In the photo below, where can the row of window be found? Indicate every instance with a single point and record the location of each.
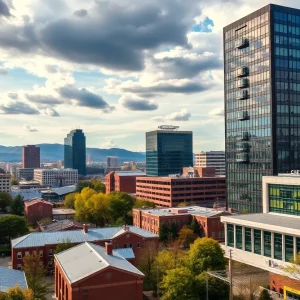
(254, 66)
(285, 63)
(283, 17)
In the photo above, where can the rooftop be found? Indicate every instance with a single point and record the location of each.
(63, 211)
(61, 225)
(36, 201)
(36, 239)
(86, 259)
(10, 278)
(130, 173)
(61, 190)
(275, 222)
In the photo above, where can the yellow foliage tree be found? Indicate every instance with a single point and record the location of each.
(17, 293)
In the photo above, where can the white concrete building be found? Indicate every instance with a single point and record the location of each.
(213, 159)
(269, 240)
(5, 183)
(56, 177)
(25, 173)
(112, 162)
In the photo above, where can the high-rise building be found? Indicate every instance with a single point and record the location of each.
(31, 157)
(75, 151)
(211, 159)
(262, 108)
(112, 162)
(168, 151)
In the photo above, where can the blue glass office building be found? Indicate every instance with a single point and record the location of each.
(75, 151)
(168, 151)
(262, 101)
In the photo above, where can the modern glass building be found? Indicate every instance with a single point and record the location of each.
(168, 151)
(262, 103)
(75, 151)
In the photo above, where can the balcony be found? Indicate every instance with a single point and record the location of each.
(244, 83)
(244, 71)
(243, 136)
(242, 115)
(241, 43)
(241, 95)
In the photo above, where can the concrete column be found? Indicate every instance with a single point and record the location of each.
(272, 244)
(234, 235)
(225, 231)
(295, 247)
(252, 240)
(283, 247)
(262, 242)
(243, 238)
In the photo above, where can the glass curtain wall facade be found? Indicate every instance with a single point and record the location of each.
(168, 152)
(75, 151)
(262, 127)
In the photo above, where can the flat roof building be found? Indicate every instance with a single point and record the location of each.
(5, 183)
(211, 159)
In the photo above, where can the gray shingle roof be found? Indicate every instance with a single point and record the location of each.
(86, 259)
(10, 278)
(36, 239)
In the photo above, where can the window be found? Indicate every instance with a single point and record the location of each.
(50, 252)
(278, 246)
(41, 253)
(289, 248)
(19, 255)
(125, 245)
(267, 243)
(239, 237)
(257, 241)
(248, 246)
(230, 235)
(138, 244)
(19, 267)
(130, 245)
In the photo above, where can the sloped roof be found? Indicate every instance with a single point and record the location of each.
(61, 190)
(126, 252)
(36, 201)
(86, 259)
(9, 278)
(36, 239)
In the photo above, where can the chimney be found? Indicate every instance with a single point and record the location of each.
(125, 228)
(85, 228)
(108, 248)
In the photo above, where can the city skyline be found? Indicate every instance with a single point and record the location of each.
(145, 79)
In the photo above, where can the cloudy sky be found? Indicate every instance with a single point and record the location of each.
(115, 68)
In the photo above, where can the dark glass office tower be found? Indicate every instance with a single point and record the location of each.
(75, 151)
(168, 151)
(262, 101)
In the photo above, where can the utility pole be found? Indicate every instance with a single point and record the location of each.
(230, 275)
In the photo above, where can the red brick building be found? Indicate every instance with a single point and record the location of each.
(170, 191)
(36, 210)
(128, 240)
(122, 181)
(208, 219)
(31, 157)
(89, 271)
(284, 285)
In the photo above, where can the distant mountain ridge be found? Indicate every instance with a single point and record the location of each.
(55, 152)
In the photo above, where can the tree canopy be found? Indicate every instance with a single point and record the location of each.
(65, 245)
(94, 184)
(17, 206)
(186, 236)
(17, 293)
(5, 201)
(69, 201)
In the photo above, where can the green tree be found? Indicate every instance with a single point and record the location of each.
(35, 275)
(186, 237)
(5, 201)
(98, 186)
(17, 293)
(264, 295)
(81, 185)
(17, 206)
(12, 226)
(140, 203)
(196, 228)
(206, 254)
(65, 245)
(163, 232)
(173, 231)
(14, 181)
(69, 201)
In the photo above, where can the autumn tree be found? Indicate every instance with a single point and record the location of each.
(35, 275)
(65, 245)
(69, 201)
(186, 236)
(140, 203)
(17, 293)
(5, 201)
(98, 186)
(17, 206)
(196, 228)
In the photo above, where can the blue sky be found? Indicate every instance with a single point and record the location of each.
(114, 68)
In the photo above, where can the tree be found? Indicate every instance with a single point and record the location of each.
(140, 203)
(264, 295)
(206, 254)
(17, 206)
(17, 293)
(35, 275)
(14, 181)
(183, 204)
(65, 245)
(5, 201)
(173, 231)
(69, 201)
(12, 226)
(163, 232)
(186, 237)
(98, 186)
(196, 228)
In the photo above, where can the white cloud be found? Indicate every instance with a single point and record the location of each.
(109, 143)
(217, 112)
(182, 115)
(29, 128)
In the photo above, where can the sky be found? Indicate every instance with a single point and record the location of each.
(116, 69)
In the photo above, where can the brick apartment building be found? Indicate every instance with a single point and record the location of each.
(122, 181)
(129, 241)
(208, 219)
(170, 191)
(36, 210)
(88, 271)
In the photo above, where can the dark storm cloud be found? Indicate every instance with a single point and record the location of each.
(84, 97)
(4, 10)
(80, 13)
(18, 108)
(45, 100)
(138, 104)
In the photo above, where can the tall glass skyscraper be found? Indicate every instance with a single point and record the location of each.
(168, 151)
(262, 101)
(75, 151)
